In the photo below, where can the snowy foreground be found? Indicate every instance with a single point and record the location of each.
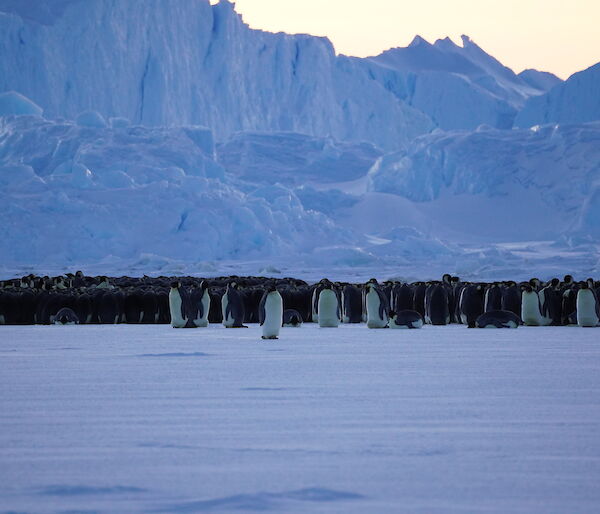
(152, 419)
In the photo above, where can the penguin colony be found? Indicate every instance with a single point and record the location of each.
(189, 302)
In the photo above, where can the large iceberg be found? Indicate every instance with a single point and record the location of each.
(188, 62)
(500, 185)
(75, 193)
(577, 100)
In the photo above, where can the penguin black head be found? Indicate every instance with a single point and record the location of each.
(568, 279)
(554, 282)
(446, 278)
(176, 284)
(584, 285)
(232, 285)
(533, 282)
(203, 285)
(527, 288)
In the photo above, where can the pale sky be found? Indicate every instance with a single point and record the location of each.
(561, 36)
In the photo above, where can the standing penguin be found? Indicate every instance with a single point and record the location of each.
(471, 304)
(511, 298)
(200, 299)
(492, 300)
(271, 313)
(377, 307)
(232, 305)
(351, 304)
(402, 298)
(437, 311)
(178, 306)
(328, 308)
(588, 310)
(533, 313)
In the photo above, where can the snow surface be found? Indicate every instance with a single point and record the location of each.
(152, 419)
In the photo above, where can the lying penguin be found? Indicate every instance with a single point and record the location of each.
(498, 319)
(292, 318)
(65, 316)
(405, 319)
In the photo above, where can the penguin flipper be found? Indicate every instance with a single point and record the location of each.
(261, 309)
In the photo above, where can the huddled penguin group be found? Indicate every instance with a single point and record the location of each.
(188, 302)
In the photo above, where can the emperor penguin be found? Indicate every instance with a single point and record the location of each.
(588, 311)
(406, 319)
(328, 307)
(471, 304)
(402, 298)
(511, 298)
(377, 307)
(232, 306)
(437, 311)
(65, 316)
(271, 313)
(492, 300)
(200, 305)
(178, 306)
(292, 318)
(498, 319)
(533, 312)
(351, 304)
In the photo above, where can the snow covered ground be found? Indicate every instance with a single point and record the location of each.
(152, 419)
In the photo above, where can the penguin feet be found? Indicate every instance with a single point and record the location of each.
(269, 337)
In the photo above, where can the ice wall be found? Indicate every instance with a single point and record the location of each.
(543, 179)
(577, 100)
(71, 193)
(189, 63)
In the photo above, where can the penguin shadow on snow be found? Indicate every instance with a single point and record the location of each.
(87, 490)
(262, 501)
(175, 354)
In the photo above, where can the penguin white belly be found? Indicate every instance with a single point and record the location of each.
(227, 320)
(177, 320)
(328, 309)
(202, 321)
(314, 306)
(530, 309)
(345, 317)
(273, 316)
(587, 315)
(374, 320)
